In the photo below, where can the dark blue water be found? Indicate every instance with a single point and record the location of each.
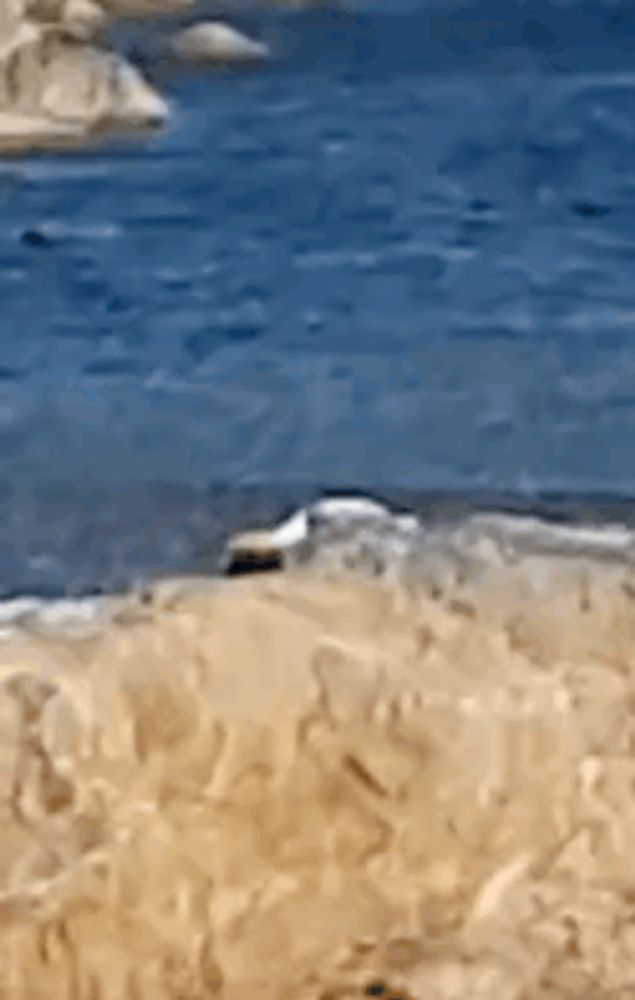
(402, 256)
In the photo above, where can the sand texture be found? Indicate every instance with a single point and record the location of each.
(296, 786)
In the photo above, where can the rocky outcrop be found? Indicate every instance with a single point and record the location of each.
(215, 42)
(57, 85)
(143, 8)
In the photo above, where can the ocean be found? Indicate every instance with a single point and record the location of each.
(398, 259)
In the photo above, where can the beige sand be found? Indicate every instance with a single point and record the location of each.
(286, 788)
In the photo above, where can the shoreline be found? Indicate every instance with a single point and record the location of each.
(515, 539)
(435, 787)
(191, 526)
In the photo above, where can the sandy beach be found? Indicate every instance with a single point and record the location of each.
(295, 785)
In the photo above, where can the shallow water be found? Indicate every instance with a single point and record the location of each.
(401, 257)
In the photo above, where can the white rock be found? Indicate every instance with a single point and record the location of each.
(135, 101)
(213, 41)
(83, 19)
(11, 17)
(14, 32)
(25, 131)
(91, 87)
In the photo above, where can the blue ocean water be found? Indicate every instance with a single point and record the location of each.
(402, 256)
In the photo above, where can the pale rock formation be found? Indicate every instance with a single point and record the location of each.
(214, 41)
(83, 19)
(141, 8)
(56, 85)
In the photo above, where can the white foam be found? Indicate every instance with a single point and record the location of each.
(399, 536)
(16, 609)
(70, 613)
(534, 532)
(64, 616)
